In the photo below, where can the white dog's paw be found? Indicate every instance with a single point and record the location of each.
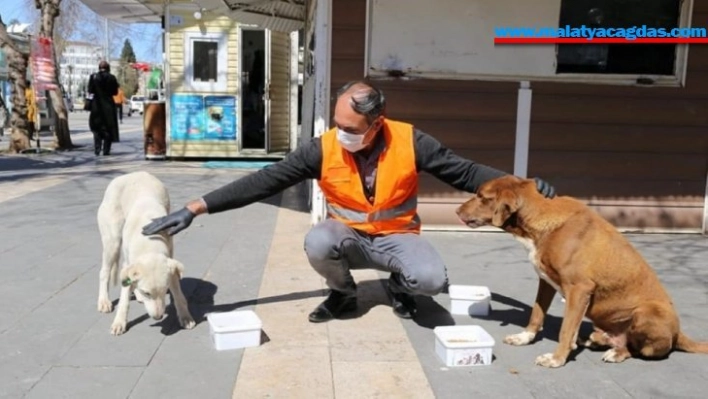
(118, 327)
(105, 305)
(522, 338)
(187, 322)
(547, 360)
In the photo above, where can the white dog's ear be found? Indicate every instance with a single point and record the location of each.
(175, 267)
(129, 275)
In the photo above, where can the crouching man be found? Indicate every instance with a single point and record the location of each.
(367, 167)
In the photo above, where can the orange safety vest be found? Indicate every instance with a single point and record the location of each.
(394, 208)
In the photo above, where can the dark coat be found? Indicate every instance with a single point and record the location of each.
(103, 86)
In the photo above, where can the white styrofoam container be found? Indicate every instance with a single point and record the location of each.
(233, 330)
(463, 345)
(471, 300)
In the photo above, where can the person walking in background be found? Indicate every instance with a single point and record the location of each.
(31, 101)
(119, 99)
(103, 120)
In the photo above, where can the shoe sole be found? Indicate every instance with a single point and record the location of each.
(406, 316)
(347, 309)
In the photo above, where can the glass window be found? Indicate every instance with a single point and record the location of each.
(205, 60)
(655, 59)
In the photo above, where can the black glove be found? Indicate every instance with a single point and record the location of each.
(545, 188)
(178, 221)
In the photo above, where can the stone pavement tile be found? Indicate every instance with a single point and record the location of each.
(18, 374)
(290, 282)
(362, 379)
(41, 338)
(577, 379)
(43, 281)
(668, 378)
(9, 242)
(86, 383)
(50, 330)
(375, 334)
(12, 190)
(136, 347)
(30, 259)
(188, 366)
(277, 370)
(287, 323)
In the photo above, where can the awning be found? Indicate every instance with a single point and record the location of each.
(277, 15)
(127, 10)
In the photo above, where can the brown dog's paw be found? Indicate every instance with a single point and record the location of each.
(616, 355)
(548, 360)
(522, 338)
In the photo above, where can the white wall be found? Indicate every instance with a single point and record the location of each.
(456, 37)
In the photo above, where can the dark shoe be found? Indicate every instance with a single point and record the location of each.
(335, 304)
(403, 305)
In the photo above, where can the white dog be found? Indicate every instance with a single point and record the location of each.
(130, 202)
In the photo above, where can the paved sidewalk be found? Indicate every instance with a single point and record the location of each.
(55, 344)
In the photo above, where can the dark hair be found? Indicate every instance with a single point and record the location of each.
(368, 100)
(104, 66)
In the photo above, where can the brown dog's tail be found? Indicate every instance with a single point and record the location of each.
(683, 343)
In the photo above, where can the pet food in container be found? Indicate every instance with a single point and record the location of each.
(459, 346)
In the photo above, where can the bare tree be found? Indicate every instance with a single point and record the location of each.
(17, 66)
(50, 10)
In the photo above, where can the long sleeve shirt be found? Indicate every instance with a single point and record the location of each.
(306, 163)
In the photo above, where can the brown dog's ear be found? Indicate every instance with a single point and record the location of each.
(175, 267)
(129, 275)
(507, 204)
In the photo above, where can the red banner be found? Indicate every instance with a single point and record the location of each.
(43, 68)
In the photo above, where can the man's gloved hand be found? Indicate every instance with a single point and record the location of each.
(545, 188)
(175, 221)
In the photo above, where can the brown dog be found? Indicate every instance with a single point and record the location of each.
(599, 273)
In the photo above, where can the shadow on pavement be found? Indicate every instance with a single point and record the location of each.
(201, 300)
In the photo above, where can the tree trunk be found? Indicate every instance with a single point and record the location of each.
(19, 125)
(62, 137)
(17, 67)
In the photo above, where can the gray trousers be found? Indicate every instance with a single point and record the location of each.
(334, 249)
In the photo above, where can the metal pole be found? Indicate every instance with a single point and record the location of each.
(105, 21)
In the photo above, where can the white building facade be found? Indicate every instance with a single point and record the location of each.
(77, 63)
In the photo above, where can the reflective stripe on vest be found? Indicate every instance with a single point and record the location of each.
(362, 217)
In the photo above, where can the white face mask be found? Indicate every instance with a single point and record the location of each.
(350, 142)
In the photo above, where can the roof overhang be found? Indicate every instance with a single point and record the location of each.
(278, 15)
(128, 10)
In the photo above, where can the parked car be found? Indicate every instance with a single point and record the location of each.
(136, 105)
